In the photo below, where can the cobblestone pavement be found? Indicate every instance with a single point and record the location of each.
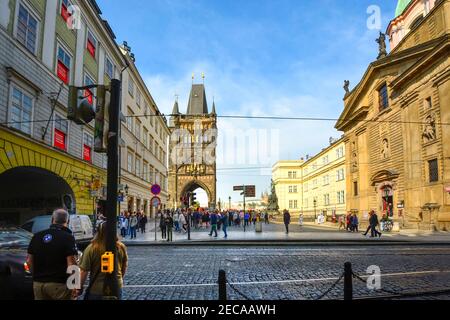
(280, 273)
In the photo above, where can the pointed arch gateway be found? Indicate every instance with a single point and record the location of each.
(193, 185)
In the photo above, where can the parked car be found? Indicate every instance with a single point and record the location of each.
(15, 277)
(80, 225)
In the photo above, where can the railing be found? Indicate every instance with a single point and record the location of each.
(347, 276)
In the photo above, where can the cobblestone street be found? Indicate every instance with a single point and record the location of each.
(281, 273)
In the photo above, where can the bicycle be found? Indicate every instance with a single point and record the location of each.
(387, 226)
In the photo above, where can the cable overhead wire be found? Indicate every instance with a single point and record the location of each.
(258, 118)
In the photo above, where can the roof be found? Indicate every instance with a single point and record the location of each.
(197, 100)
(401, 6)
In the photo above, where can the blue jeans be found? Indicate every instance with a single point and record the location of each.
(177, 225)
(133, 232)
(225, 230)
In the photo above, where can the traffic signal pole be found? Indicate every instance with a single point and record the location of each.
(111, 286)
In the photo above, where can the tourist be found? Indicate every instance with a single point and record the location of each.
(286, 220)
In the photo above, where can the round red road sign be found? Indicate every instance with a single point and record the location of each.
(156, 189)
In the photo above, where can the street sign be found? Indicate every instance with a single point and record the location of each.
(250, 191)
(238, 188)
(156, 189)
(156, 202)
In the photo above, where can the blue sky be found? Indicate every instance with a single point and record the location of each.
(282, 58)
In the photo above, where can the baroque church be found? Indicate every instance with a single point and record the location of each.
(396, 122)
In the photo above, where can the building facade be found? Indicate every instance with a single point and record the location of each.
(287, 177)
(313, 186)
(323, 186)
(192, 158)
(144, 150)
(47, 161)
(396, 119)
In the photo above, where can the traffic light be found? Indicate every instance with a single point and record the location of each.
(193, 198)
(101, 130)
(80, 109)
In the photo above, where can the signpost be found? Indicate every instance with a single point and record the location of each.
(247, 192)
(155, 202)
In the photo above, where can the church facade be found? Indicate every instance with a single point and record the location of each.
(396, 123)
(192, 149)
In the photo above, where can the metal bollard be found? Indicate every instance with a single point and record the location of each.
(222, 285)
(348, 281)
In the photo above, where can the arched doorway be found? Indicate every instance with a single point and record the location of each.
(203, 194)
(26, 192)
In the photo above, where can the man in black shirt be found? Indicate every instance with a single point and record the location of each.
(50, 253)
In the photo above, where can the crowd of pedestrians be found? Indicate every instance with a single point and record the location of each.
(130, 223)
(350, 223)
(214, 221)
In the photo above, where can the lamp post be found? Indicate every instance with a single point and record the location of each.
(229, 203)
(315, 213)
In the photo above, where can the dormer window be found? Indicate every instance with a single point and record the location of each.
(383, 97)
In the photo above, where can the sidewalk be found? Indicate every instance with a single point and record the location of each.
(275, 234)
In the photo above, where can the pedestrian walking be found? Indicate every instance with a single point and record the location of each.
(183, 221)
(348, 221)
(266, 218)
(169, 226)
(123, 226)
(225, 225)
(133, 225)
(300, 220)
(355, 223)
(50, 253)
(214, 221)
(341, 222)
(176, 222)
(373, 223)
(91, 264)
(246, 219)
(286, 220)
(143, 222)
(162, 225)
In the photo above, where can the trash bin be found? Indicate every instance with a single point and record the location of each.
(258, 226)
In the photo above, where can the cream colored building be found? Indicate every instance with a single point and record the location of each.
(314, 186)
(287, 176)
(144, 149)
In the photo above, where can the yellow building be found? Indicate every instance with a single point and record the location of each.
(323, 184)
(396, 120)
(313, 186)
(45, 161)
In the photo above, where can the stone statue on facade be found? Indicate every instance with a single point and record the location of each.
(385, 149)
(429, 130)
(273, 199)
(382, 52)
(347, 87)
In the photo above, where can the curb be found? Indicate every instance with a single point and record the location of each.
(278, 243)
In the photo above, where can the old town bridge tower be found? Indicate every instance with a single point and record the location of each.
(192, 149)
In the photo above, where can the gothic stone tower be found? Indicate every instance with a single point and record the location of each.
(192, 149)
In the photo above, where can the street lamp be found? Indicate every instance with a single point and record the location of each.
(315, 213)
(229, 203)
